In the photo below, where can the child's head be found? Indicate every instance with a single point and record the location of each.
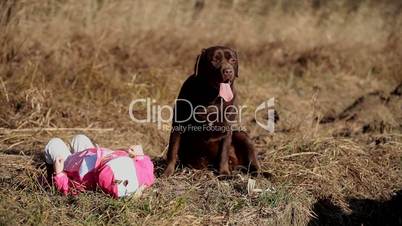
(118, 177)
(122, 176)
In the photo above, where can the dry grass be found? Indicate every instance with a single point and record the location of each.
(80, 63)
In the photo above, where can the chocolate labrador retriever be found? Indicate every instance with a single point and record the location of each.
(205, 113)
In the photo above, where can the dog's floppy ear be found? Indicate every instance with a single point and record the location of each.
(197, 63)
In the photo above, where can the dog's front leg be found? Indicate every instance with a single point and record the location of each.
(224, 161)
(173, 149)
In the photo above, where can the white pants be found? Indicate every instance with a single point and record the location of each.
(57, 148)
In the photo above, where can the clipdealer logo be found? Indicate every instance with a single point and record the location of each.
(163, 114)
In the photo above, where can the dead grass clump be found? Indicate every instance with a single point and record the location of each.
(383, 116)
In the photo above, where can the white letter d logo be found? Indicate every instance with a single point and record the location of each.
(269, 125)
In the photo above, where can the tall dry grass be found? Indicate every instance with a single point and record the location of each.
(126, 45)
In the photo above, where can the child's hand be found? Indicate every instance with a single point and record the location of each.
(58, 165)
(135, 150)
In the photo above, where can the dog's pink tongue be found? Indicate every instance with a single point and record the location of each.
(225, 91)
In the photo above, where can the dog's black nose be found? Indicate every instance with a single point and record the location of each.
(228, 72)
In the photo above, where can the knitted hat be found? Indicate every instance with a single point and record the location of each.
(118, 176)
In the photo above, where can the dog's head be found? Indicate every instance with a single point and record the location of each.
(217, 64)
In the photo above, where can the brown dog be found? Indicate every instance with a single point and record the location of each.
(202, 133)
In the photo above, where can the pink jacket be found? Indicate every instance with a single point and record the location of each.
(81, 170)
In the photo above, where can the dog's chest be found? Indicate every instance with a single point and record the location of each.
(216, 113)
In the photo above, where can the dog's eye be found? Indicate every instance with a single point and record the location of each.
(215, 61)
(232, 61)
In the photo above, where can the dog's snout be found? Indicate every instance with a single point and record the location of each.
(228, 72)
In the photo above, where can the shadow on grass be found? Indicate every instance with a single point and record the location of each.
(363, 212)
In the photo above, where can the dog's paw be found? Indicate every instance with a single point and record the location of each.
(224, 171)
(168, 171)
(254, 166)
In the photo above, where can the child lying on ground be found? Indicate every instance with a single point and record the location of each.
(118, 173)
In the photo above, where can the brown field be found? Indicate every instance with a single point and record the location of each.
(333, 67)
